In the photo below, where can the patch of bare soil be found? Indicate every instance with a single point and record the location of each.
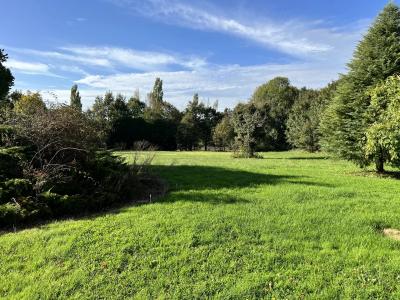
(394, 234)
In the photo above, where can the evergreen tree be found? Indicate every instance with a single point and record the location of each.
(75, 98)
(155, 101)
(375, 59)
(6, 78)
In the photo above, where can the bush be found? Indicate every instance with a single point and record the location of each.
(10, 214)
(10, 163)
(60, 171)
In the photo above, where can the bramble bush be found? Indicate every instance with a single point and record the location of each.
(52, 165)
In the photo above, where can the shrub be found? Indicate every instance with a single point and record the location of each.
(60, 171)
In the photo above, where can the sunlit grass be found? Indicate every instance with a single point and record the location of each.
(290, 225)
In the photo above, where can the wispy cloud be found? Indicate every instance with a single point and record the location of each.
(28, 67)
(141, 60)
(292, 37)
(319, 53)
(112, 58)
(228, 84)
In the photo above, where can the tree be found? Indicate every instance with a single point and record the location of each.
(155, 100)
(223, 133)
(187, 137)
(135, 106)
(345, 122)
(246, 119)
(119, 108)
(275, 98)
(188, 129)
(157, 108)
(303, 125)
(29, 103)
(6, 78)
(383, 136)
(199, 120)
(75, 98)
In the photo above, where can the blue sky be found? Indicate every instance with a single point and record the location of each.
(221, 49)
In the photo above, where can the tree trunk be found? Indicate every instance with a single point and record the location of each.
(379, 164)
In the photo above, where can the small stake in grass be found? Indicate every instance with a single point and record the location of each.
(150, 198)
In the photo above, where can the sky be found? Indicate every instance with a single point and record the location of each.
(221, 49)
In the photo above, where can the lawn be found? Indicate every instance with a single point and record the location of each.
(291, 225)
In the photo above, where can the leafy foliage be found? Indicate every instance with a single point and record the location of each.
(375, 59)
(303, 125)
(246, 119)
(383, 136)
(274, 99)
(29, 103)
(75, 98)
(6, 78)
(55, 167)
(224, 133)
(197, 124)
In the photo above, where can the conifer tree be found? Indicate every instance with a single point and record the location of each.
(6, 78)
(75, 99)
(376, 58)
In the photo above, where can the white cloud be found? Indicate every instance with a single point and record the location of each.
(141, 60)
(62, 56)
(293, 37)
(321, 51)
(228, 84)
(27, 67)
(112, 58)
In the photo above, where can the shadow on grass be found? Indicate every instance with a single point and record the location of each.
(298, 158)
(185, 177)
(193, 184)
(370, 173)
(309, 158)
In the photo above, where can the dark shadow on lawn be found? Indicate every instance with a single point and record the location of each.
(184, 177)
(386, 174)
(298, 158)
(196, 179)
(309, 158)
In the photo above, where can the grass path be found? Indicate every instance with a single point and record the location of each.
(292, 225)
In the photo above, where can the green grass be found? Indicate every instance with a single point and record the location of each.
(292, 225)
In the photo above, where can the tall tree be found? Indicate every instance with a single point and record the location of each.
(303, 125)
(303, 121)
(375, 59)
(275, 99)
(6, 78)
(75, 98)
(155, 101)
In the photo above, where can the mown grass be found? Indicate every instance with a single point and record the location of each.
(291, 225)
